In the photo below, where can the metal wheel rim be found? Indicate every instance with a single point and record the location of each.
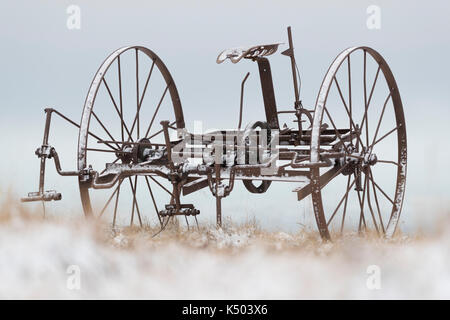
(401, 140)
(89, 105)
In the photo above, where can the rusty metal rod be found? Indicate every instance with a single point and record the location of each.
(242, 100)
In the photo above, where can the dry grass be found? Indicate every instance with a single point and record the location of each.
(237, 261)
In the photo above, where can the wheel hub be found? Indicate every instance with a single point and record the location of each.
(370, 159)
(143, 151)
(355, 160)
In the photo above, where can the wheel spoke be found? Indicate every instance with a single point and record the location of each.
(350, 94)
(120, 97)
(115, 106)
(379, 188)
(78, 126)
(153, 199)
(349, 186)
(110, 198)
(365, 95)
(136, 117)
(105, 143)
(137, 91)
(104, 128)
(387, 134)
(345, 205)
(376, 202)
(135, 203)
(365, 119)
(352, 124)
(160, 131)
(334, 126)
(373, 86)
(388, 161)
(381, 117)
(115, 205)
(369, 203)
(361, 204)
(156, 111)
(103, 150)
(164, 188)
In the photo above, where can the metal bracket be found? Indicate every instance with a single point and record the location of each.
(270, 106)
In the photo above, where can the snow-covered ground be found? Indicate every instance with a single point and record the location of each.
(72, 259)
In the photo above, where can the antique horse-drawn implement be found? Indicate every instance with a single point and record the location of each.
(348, 153)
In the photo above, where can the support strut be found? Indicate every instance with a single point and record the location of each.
(218, 197)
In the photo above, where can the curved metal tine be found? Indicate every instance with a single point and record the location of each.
(349, 186)
(115, 106)
(376, 202)
(196, 221)
(156, 111)
(136, 117)
(43, 208)
(187, 222)
(110, 198)
(153, 200)
(135, 203)
(162, 227)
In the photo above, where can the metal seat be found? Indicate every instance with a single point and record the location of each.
(236, 54)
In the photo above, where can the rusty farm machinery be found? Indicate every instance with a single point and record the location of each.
(347, 154)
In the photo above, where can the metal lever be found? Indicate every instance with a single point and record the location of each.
(47, 152)
(242, 100)
(290, 53)
(48, 195)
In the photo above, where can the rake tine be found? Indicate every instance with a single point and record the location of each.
(196, 221)
(187, 222)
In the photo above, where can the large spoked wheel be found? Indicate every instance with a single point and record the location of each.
(130, 94)
(365, 187)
